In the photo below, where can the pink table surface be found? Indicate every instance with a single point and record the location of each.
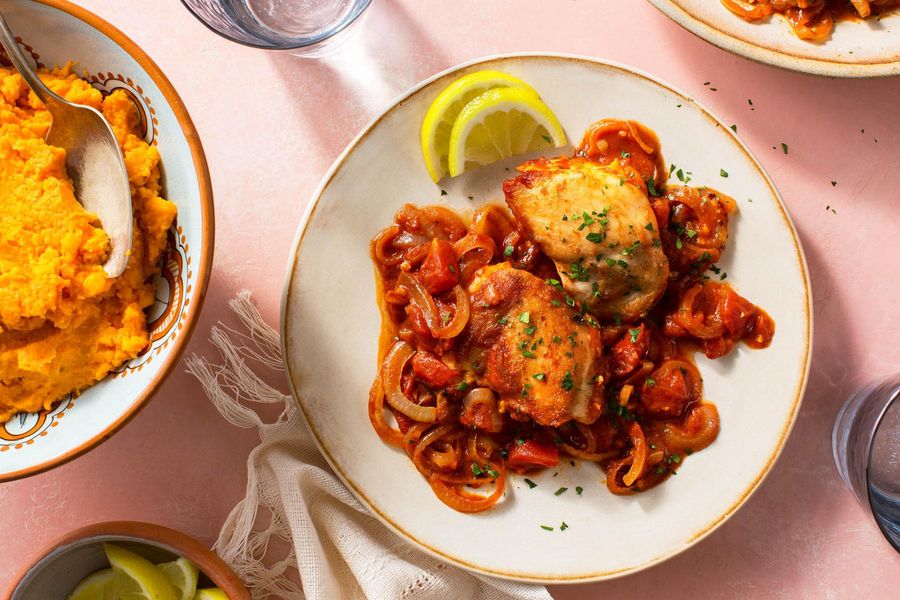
(273, 123)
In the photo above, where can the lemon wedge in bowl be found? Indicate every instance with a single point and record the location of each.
(93, 587)
(210, 594)
(438, 123)
(501, 123)
(135, 577)
(183, 575)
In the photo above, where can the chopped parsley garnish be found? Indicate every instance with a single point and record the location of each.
(678, 243)
(578, 272)
(563, 527)
(508, 251)
(570, 301)
(650, 382)
(530, 330)
(476, 470)
(525, 317)
(649, 226)
(578, 489)
(595, 237)
(547, 139)
(555, 283)
(443, 192)
(530, 483)
(625, 154)
(610, 262)
(560, 491)
(630, 249)
(462, 386)
(723, 173)
(503, 320)
(784, 147)
(539, 376)
(567, 383)
(546, 527)
(527, 354)
(651, 188)
(634, 333)
(734, 128)
(617, 319)
(556, 339)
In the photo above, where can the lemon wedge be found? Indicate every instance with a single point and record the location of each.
(210, 594)
(501, 123)
(134, 577)
(93, 587)
(441, 115)
(182, 574)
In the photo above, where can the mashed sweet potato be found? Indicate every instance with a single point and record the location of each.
(63, 324)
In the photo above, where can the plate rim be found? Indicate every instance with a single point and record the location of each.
(800, 64)
(360, 495)
(207, 224)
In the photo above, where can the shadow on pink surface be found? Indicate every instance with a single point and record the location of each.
(339, 93)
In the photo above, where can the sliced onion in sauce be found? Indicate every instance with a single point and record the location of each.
(424, 301)
(396, 359)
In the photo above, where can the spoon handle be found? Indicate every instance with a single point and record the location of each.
(20, 62)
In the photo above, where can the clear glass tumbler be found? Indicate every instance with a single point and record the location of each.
(866, 445)
(306, 27)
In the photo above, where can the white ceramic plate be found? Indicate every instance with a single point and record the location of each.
(54, 32)
(869, 48)
(331, 324)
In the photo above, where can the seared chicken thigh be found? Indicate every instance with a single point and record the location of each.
(538, 353)
(598, 228)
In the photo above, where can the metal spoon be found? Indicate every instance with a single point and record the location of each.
(93, 157)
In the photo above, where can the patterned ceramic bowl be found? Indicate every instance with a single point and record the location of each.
(69, 560)
(54, 32)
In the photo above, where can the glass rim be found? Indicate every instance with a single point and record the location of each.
(871, 446)
(329, 33)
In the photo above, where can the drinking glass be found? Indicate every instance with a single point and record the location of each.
(866, 445)
(306, 27)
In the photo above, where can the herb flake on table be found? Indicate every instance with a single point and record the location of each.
(560, 491)
(531, 484)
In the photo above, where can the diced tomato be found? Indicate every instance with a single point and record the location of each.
(482, 415)
(403, 422)
(717, 347)
(440, 271)
(432, 371)
(666, 392)
(628, 352)
(531, 454)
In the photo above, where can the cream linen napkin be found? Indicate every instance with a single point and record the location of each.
(338, 548)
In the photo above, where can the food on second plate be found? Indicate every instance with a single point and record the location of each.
(811, 20)
(133, 577)
(63, 324)
(484, 117)
(564, 329)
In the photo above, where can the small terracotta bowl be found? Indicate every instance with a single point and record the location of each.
(78, 554)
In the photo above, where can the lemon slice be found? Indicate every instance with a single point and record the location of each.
(210, 594)
(501, 123)
(438, 122)
(182, 574)
(135, 577)
(93, 586)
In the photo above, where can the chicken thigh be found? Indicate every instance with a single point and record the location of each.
(599, 229)
(539, 354)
